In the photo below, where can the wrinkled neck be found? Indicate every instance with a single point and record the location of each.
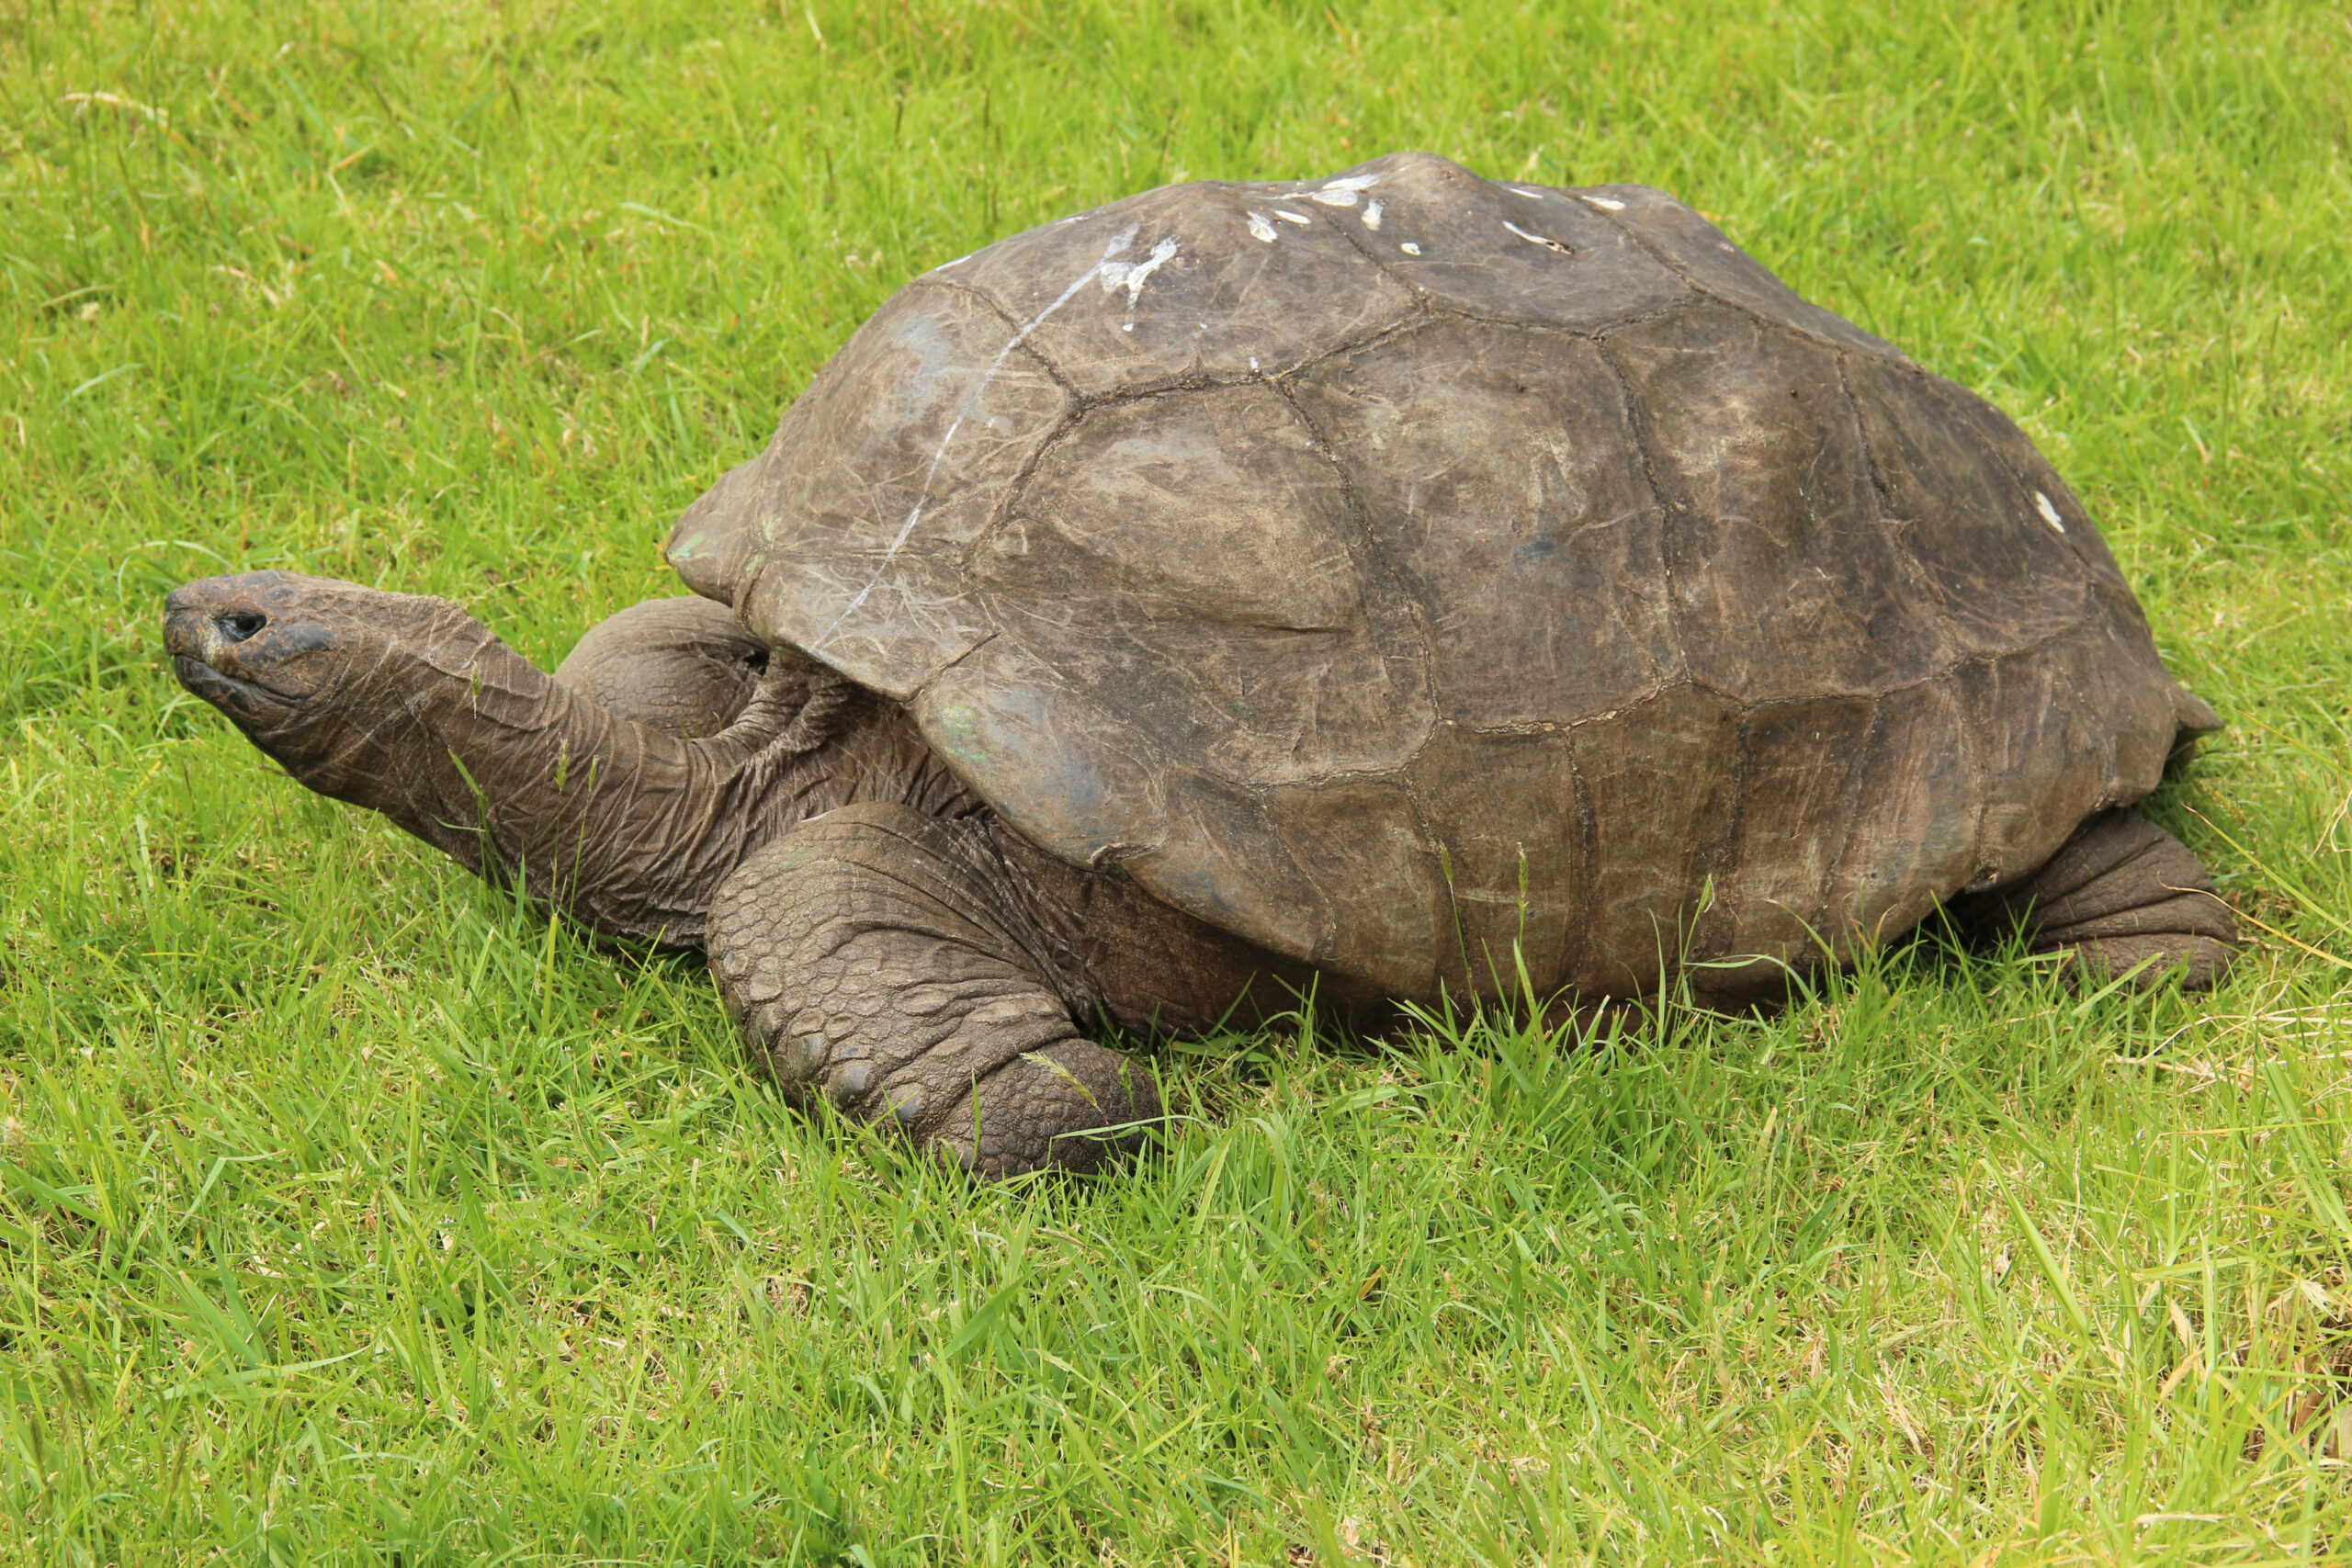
(625, 828)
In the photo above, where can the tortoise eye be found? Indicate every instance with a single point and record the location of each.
(239, 624)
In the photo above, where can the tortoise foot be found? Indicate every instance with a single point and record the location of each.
(871, 956)
(2121, 898)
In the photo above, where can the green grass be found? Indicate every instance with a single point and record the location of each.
(349, 1212)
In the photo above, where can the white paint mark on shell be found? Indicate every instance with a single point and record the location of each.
(1161, 254)
(1529, 194)
(1606, 203)
(1409, 248)
(1333, 197)
(1372, 214)
(1253, 362)
(1287, 216)
(2049, 513)
(1352, 182)
(1259, 229)
(1547, 242)
(959, 261)
(1118, 275)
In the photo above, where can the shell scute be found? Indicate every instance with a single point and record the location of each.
(1506, 810)
(1224, 861)
(1785, 581)
(2078, 722)
(1358, 842)
(1661, 781)
(1192, 552)
(1496, 465)
(2005, 574)
(1873, 821)
(710, 545)
(1698, 251)
(849, 540)
(1212, 504)
(1092, 783)
(1807, 754)
(1911, 837)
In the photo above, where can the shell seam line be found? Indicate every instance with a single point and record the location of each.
(1885, 492)
(1591, 334)
(1724, 300)
(1743, 707)
(1369, 554)
(995, 307)
(1849, 802)
(1017, 487)
(1587, 858)
(1722, 859)
(1360, 515)
(1973, 745)
(951, 664)
(1378, 266)
(1893, 527)
(1635, 416)
(1421, 315)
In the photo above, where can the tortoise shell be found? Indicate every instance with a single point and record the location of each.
(1393, 567)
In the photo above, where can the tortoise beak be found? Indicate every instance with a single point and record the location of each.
(229, 636)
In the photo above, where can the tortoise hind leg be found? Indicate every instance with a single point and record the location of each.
(2120, 896)
(871, 956)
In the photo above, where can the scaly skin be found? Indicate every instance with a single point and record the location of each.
(2122, 897)
(875, 955)
(675, 664)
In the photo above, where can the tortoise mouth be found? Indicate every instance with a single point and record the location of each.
(220, 688)
(195, 672)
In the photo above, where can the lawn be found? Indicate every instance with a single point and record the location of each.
(349, 1210)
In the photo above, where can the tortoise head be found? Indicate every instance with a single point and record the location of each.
(331, 679)
(412, 707)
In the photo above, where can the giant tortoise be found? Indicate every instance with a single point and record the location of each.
(1404, 582)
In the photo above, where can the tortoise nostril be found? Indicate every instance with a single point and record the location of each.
(236, 625)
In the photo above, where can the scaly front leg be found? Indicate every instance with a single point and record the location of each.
(874, 955)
